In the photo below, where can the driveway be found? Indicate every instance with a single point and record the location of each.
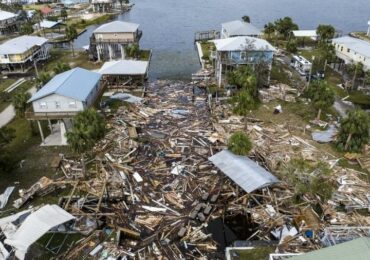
(8, 113)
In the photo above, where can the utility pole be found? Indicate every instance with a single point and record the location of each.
(35, 65)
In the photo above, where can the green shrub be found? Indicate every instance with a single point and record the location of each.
(239, 143)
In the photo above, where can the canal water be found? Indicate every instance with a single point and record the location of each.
(169, 25)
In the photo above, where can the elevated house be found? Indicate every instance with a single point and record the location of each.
(240, 50)
(103, 6)
(47, 11)
(133, 72)
(18, 55)
(352, 50)
(8, 23)
(239, 28)
(62, 98)
(108, 42)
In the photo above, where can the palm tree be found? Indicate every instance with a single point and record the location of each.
(38, 17)
(19, 102)
(242, 103)
(88, 127)
(42, 79)
(269, 29)
(71, 35)
(61, 67)
(321, 95)
(354, 131)
(246, 19)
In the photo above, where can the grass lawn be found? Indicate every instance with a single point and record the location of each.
(4, 83)
(206, 48)
(81, 59)
(82, 24)
(258, 253)
(145, 55)
(6, 100)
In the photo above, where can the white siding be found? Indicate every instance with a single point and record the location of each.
(56, 103)
(350, 55)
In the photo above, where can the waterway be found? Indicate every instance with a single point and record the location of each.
(169, 25)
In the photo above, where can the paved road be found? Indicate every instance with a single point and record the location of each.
(8, 113)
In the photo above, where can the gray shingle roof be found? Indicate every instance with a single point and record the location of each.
(76, 83)
(117, 27)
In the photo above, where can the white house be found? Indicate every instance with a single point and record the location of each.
(19, 54)
(239, 28)
(353, 50)
(64, 96)
(8, 22)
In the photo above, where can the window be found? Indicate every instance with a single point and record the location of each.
(341, 48)
(72, 104)
(57, 104)
(243, 55)
(43, 105)
(348, 50)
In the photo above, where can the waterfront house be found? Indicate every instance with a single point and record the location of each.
(64, 96)
(18, 55)
(241, 50)
(131, 71)
(109, 41)
(239, 28)
(8, 22)
(46, 11)
(102, 6)
(352, 50)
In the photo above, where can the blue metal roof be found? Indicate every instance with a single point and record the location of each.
(76, 83)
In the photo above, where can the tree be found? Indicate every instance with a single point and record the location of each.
(42, 79)
(285, 26)
(88, 128)
(308, 179)
(269, 29)
(26, 28)
(325, 32)
(38, 17)
(19, 102)
(6, 160)
(133, 50)
(354, 131)
(239, 143)
(64, 14)
(61, 67)
(291, 46)
(321, 95)
(355, 70)
(244, 78)
(71, 35)
(242, 102)
(366, 78)
(246, 19)
(262, 73)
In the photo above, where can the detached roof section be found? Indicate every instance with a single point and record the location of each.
(76, 83)
(35, 226)
(305, 33)
(125, 67)
(358, 249)
(240, 44)
(117, 27)
(21, 44)
(357, 45)
(243, 171)
(4, 15)
(240, 28)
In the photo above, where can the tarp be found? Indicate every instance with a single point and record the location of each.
(243, 171)
(325, 136)
(35, 226)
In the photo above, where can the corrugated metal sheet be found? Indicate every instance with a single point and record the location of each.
(76, 83)
(243, 171)
(356, 45)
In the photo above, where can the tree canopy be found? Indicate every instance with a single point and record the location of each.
(246, 19)
(325, 32)
(244, 78)
(26, 28)
(321, 95)
(19, 102)
(239, 143)
(71, 35)
(61, 67)
(354, 131)
(285, 26)
(88, 127)
(308, 179)
(43, 78)
(64, 14)
(269, 29)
